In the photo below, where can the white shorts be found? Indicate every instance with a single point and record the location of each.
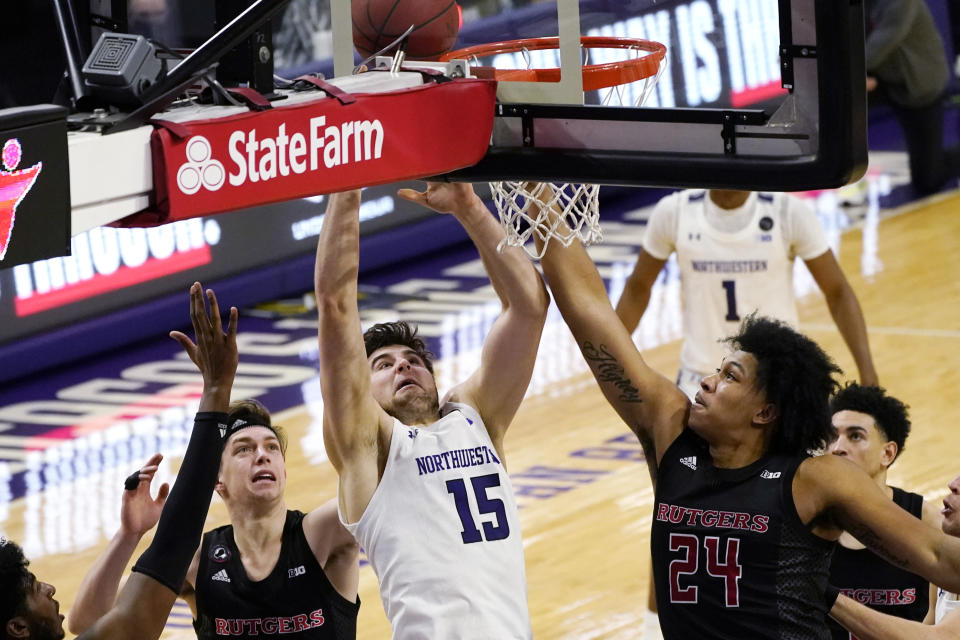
(689, 381)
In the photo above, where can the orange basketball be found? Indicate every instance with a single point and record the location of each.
(377, 23)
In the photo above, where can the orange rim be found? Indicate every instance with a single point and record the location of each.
(595, 76)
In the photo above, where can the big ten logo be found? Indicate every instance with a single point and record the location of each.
(296, 571)
(200, 169)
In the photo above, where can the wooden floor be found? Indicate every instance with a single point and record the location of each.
(584, 493)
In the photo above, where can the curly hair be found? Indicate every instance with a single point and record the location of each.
(15, 580)
(889, 413)
(794, 374)
(387, 334)
(254, 413)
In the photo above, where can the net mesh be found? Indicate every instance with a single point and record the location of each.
(539, 212)
(525, 207)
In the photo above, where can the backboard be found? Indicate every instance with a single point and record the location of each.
(758, 94)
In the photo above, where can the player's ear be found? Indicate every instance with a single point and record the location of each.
(17, 627)
(890, 451)
(766, 414)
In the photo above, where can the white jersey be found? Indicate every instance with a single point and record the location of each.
(946, 602)
(726, 275)
(442, 533)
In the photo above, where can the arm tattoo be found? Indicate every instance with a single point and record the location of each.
(871, 540)
(607, 369)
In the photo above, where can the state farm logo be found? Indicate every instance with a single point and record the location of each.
(261, 156)
(14, 186)
(200, 170)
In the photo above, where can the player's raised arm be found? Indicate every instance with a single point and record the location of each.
(510, 349)
(351, 416)
(144, 602)
(652, 406)
(833, 495)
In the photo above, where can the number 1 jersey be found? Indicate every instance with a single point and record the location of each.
(731, 558)
(442, 533)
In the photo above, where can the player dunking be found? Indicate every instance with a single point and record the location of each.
(423, 485)
(744, 520)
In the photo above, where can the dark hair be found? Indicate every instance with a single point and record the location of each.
(796, 376)
(15, 580)
(889, 413)
(252, 413)
(387, 334)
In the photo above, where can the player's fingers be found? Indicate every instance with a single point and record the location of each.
(420, 197)
(184, 342)
(215, 319)
(163, 493)
(155, 459)
(232, 327)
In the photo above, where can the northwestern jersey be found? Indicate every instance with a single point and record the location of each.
(442, 533)
(726, 275)
(731, 557)
(871, 580)
(947, 602)
(296, 600)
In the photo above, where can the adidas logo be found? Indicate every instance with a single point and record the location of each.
(689, 461)
(769, 475)
(221, 576)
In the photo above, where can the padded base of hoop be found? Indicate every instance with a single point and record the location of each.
(321, 146)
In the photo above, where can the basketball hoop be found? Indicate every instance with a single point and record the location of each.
(562, 211)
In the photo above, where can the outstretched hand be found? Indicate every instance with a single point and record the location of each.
(215, 352)
(443, 197)
(139, 512)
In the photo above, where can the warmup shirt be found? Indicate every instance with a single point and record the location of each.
(869, 579)
(443, 534)
(731, 558)
(295, 601)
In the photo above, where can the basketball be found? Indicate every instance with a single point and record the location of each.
(377, 23)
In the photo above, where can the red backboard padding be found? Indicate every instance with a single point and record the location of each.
(211, 166)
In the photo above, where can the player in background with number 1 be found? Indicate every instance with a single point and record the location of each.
(735, 251)
(423, 486)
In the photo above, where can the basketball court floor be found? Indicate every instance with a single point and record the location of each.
(69, 437)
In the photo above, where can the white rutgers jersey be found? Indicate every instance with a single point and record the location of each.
(442, 533)
(725, 276)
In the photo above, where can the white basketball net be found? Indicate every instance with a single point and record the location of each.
(525, 213)
(525, 207)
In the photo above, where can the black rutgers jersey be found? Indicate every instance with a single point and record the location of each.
(295, 601)
(731, 558)
(871, 580)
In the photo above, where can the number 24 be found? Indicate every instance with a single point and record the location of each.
(729, 568)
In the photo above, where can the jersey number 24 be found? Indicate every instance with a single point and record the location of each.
(727, 568)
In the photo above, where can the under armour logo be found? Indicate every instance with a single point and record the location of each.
(200, 170)
(689, 461)
(221, 576)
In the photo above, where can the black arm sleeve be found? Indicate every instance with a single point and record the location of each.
(168, 557)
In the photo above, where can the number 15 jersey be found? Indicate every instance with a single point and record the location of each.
(731, 557)
(442, 533)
